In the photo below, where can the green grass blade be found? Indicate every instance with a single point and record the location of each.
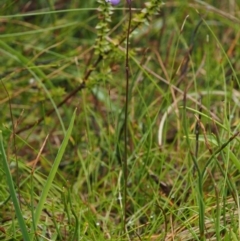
(12, 191)
(53, 171)
(234, 159)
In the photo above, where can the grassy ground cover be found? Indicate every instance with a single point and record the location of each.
(62, 120)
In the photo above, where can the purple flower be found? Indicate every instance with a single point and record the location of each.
(113, 2)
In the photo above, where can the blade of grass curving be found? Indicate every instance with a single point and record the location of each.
(43, 12)
(53, 172)
(211, 158)
(37, 73)
(234, 159)
(38, 31)
(12, 191)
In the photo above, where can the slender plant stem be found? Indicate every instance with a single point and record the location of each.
(125, 167)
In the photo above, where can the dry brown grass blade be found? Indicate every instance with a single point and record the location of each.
(35, 161)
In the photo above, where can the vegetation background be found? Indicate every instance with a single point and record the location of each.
(64, 169)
